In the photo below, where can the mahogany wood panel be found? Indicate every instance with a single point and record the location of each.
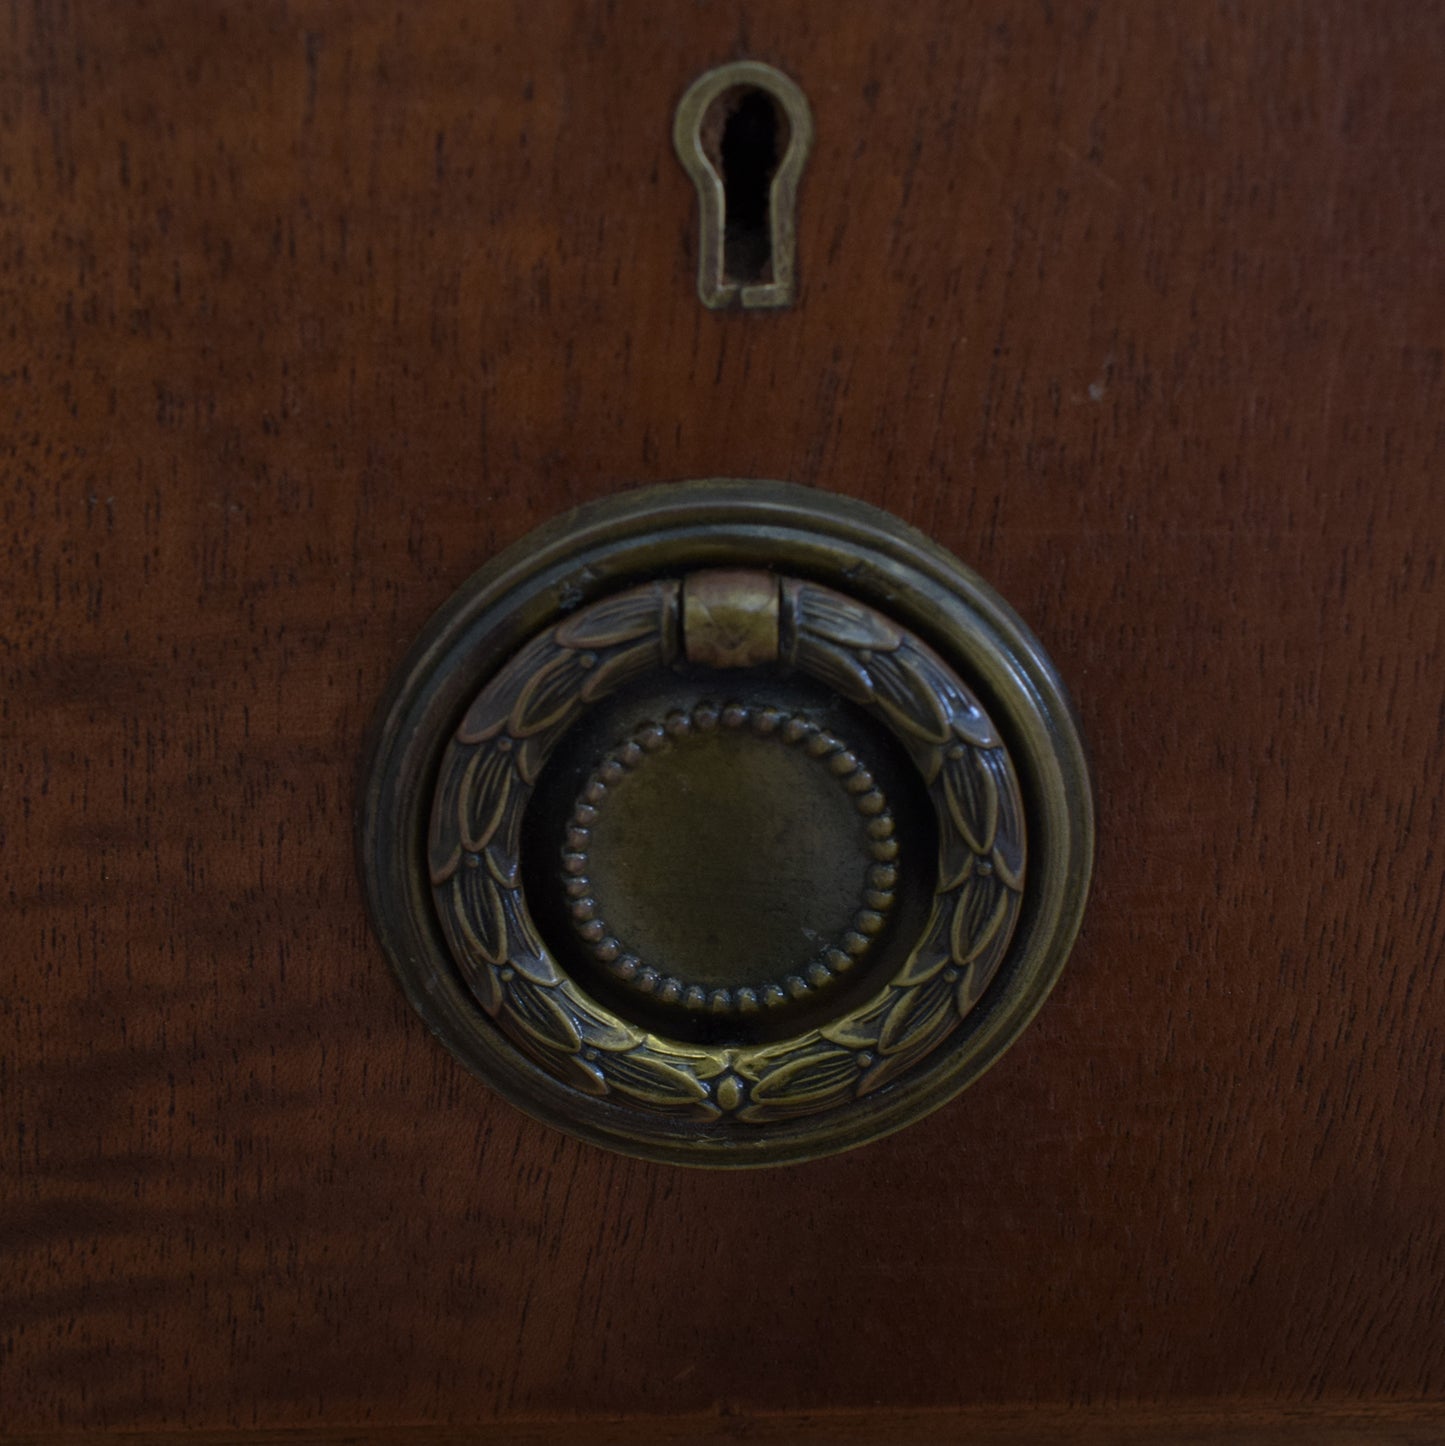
(1378, 1424)
(307, 309)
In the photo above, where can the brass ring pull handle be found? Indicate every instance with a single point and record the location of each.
(682, 833)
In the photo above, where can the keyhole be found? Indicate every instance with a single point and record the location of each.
(748, 157)
(743, 132)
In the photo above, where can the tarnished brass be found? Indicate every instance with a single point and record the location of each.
(744, 270)
(733, 864)
(519, 719)
(730, 619)
(672, 859)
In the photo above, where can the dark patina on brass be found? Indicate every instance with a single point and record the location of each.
(746, 233)
(728, 823)
(760, 874)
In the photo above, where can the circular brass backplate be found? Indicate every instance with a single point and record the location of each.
(726, 823)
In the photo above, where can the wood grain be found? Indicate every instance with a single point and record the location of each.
(1242, 1424)
(306, 309)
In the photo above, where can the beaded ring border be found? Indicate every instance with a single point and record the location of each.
(833, 960)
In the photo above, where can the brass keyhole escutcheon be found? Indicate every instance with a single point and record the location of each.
(728, 823)
(743, 132)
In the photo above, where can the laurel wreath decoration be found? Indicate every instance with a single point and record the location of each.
(497, 754)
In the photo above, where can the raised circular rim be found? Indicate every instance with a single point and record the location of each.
(655, 531)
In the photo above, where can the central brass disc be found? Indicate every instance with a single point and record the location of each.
(730, 859)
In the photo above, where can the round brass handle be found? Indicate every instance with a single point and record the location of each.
(728, 823)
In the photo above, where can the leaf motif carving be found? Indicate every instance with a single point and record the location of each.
(607, 1033)
(971, 723)
(805, 1083)
(528, 955)
(583, 1074)
(621, 667)
(1010, 875)
(541, 1014)
(858, 1030)
(836, 667)
(929, 1018)
(955, 863)
(699, 1060)
(486, 988)
(970, 909)
(883, 1071)
(929, 957)
(910, 698)
(479, 918)
(486, 794)
(888, 1067)
(504, 868)
(444, 848)
(839, 619)
(972, 981)
(972, 797)
(491, 708)
(898, 1023)
(1009, 839)
(638, 613)
(548, 696)
(654, 1081)
(471, 796)
(978, 916)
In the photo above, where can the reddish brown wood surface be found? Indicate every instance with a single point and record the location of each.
(1179, 1424)
(309, 308)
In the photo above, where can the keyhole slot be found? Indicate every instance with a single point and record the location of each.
(743, 133)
